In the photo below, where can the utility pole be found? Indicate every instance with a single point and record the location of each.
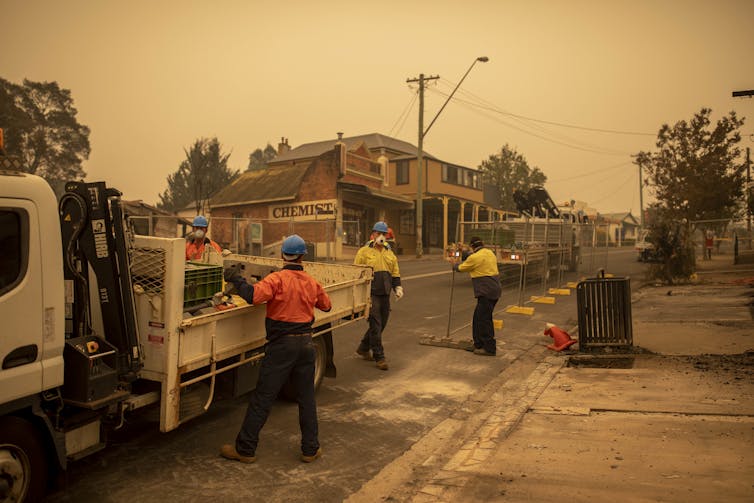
(420, 154)
(748, 193)
(420, 164)
(749, 93)
(641, 200)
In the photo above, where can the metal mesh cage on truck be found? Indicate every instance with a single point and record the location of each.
(604, 309)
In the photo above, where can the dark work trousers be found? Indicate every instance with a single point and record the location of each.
(378, 316)
(286, 356)
(482, 329)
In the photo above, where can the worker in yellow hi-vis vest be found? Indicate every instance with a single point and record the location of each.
(485, 278)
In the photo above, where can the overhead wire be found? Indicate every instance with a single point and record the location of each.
(489, 106)
(552, 123)
(404, 115)
(565, 141)
(552, 140)
(630, 177)
(479, 104)
(600, 170)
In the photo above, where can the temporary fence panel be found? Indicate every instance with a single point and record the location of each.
(594, 243)
(723, 234)
(604, 313)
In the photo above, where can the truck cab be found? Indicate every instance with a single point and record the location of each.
(32, 309)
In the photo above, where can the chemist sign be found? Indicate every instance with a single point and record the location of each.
(306, 210)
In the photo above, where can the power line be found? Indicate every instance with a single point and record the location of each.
(570, 145)
(630, 177)
(553, 123)
(566, 141)
(600, 170)
(404, 115)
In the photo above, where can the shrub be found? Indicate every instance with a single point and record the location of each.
(674, 248)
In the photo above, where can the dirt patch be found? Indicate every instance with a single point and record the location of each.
(737, 367)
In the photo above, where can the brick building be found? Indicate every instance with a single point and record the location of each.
(327, 197)
(332, 192)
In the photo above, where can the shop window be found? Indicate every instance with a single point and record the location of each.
(407, 222)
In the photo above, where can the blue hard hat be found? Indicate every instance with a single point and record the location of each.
(200, 221)
(380, 227)
(294, 245)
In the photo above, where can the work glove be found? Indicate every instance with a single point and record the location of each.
(455, 267)
(226, 252)
(398, 292)
(231, 272)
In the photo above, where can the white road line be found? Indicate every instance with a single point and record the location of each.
(427, 275)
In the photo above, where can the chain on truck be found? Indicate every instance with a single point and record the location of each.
(99, 323)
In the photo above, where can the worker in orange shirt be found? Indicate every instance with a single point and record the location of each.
(291, 296)
(195, 246)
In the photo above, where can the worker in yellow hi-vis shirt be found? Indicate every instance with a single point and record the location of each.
(485, 278)
(387, 277)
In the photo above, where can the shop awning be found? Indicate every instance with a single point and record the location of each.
(376, 197)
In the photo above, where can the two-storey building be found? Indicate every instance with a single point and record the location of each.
(331, 193)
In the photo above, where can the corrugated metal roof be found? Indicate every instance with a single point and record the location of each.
(372, 140)
(365, 191)
(271, 184)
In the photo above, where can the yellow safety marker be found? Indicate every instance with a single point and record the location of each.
(572, 284)
(559, 291)
(520, 310)
(497, 324)
(543, 300)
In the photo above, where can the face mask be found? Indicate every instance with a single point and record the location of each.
(380, 240)
(199, 234)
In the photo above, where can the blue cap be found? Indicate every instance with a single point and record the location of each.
(380, 227)
(294, 245)
(200, 221)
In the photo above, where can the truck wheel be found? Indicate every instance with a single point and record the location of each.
(320, 363)
(23, 465)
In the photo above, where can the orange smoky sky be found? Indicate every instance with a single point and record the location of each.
(150, 77)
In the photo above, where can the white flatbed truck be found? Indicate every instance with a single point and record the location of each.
(95, 326)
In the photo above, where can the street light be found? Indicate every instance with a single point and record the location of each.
(420, 155)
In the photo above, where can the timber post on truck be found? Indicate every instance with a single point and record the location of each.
(99, 323)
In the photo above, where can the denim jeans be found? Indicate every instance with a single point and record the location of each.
(286, 356)
(482, 329)
(378, 316)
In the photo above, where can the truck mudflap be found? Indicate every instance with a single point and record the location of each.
(330, 370)
(186, 355)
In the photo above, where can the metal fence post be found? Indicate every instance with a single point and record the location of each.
(546, 258)
(560, 262)
(594, 248)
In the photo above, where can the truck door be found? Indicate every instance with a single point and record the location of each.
(21, 303)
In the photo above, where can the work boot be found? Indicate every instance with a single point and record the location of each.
(229, 452)
(364, 354)
(483, 352)
(309, 459)
(382, 364)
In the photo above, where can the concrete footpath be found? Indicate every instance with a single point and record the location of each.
(672, 420)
